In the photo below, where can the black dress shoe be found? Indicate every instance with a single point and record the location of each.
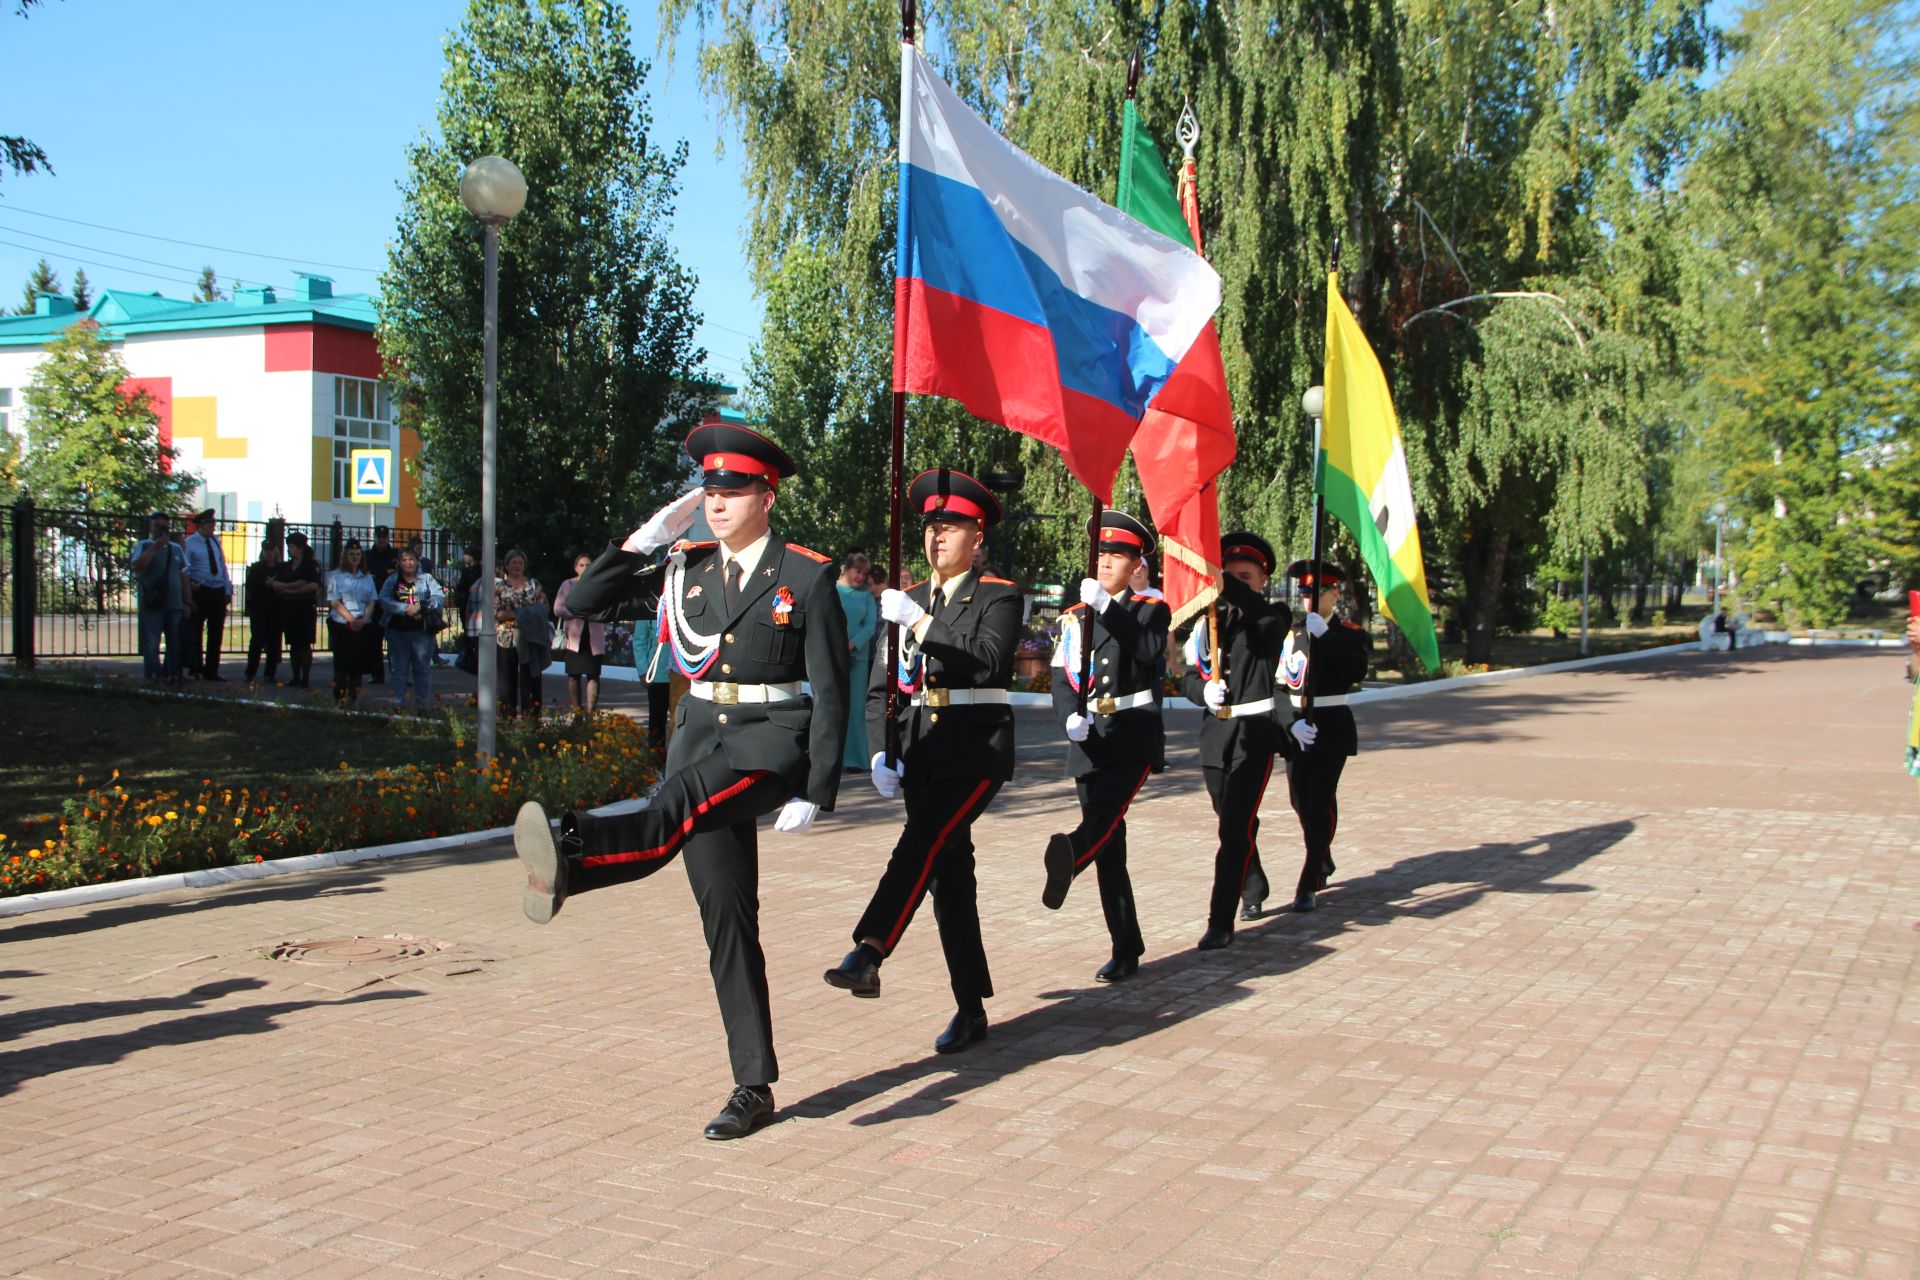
(1116, 969)
(1059, 872)
(1216, 939)
(965, 1029)
(1250, 910)
(858, 973)
(546, 870)
(1305, 902)
(746, 1107)
(213, 679)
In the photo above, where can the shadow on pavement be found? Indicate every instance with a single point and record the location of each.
(13, 1026)
(21, 1065)
(290, 889)
(1163, 994)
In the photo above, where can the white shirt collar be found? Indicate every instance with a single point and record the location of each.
(749, 559)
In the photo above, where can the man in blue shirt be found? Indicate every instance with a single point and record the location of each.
(161, 591)
(212, 591)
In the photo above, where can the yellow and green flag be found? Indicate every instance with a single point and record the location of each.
(1361, 474)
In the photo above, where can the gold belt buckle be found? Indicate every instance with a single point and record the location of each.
(1225, 713)
(1105, 705)
(726, 693)
(939, 697)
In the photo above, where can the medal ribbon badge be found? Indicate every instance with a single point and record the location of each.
(1293, 665)
(782, 607)
(1066, 654)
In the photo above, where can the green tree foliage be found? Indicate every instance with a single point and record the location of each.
(82, 289)
(207, 289)
(89, 440)
(599, 376)
(1804, 195)
(42, 279)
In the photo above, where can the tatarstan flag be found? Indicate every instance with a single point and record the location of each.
(1361, 474)
(1186, 438)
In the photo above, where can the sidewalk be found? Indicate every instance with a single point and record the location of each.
(1616, 980)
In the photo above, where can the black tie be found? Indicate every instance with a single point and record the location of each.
(936, 600)
(733, 585)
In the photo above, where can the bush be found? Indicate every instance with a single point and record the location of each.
(1560, 615)
(1659, 618)
(111, 834)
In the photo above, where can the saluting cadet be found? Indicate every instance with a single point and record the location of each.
(1120, 740)
(1317, 748)
(746, 619)
(957, 635)
(1239, 736)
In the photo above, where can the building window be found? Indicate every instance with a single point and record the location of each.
(362, 419)
(6, 409)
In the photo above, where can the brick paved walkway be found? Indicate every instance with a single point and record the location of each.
(1617, 980)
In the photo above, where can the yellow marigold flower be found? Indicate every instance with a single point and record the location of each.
(199, 808)
(154, 819)
(171, 815)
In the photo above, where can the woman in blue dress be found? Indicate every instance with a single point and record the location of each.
(863, 614)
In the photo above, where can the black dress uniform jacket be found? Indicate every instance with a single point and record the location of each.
(1129, 655)
(1338, 661)
(969, 645)
(798, 739)
(1253, 631)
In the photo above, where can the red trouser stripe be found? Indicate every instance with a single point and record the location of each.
(1254, 817)
(679, 837)
(920, 885)
(1118, 818)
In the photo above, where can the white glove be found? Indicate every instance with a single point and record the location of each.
(796, 816)
(666, 525)
(1216, 694)
(1077, 727)
(1304, 733)
(1094, 596)
(1316, 625)
(885, 780)
(897, 606)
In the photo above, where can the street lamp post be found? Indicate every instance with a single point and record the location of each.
(1719, 517)
(493, 191)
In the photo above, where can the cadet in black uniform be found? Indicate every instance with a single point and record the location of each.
(1120, 739)
(1320, 740)
(958, 631)
(1239, 736)
(747, 619)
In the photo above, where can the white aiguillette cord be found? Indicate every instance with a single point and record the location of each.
(694, 649)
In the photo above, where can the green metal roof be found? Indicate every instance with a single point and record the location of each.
(121, 314)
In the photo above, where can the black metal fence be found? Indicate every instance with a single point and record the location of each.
(66, 576)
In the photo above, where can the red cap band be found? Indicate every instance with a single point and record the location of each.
(1125, 536)
(1243, 552)
(744, 463)
(953, 504)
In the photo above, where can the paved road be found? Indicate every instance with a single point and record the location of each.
(1618, 980)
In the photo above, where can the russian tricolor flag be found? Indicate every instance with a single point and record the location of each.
(1023, 297)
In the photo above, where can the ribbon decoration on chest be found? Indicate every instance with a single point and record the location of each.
(907, 674)
(1066, 654)
(1293, 664)
(1200, 647)
(691, 653)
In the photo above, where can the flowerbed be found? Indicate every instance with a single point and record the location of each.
(110, 833)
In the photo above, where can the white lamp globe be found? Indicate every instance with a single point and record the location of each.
(1314, 401)
(493, 189)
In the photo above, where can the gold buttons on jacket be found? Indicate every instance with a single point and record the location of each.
(934, 717)
(726, 668)
(723, 717)
(728, 637)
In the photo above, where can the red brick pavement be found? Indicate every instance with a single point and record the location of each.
(1617, 980)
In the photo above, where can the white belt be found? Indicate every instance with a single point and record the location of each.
(1106, 704)
(726, 693)
(1320, 700)
(937, 698)
(1240, 709)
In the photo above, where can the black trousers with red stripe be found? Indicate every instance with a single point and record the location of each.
(704, 812)
(1100, 841)
(1313, 784)
(935, 855)
(1237, 874)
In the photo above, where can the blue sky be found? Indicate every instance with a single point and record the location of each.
(280, 129)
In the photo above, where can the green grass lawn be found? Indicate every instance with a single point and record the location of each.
(50, 733)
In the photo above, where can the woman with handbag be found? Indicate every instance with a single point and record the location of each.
(584, 643)
(514, 590)
(412, 602)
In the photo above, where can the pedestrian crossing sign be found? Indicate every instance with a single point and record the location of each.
(372, 475)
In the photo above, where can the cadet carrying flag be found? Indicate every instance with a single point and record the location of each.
(1361, 474)
(1026, 299)
(1186, 439)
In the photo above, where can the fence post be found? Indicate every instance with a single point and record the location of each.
(26, 583)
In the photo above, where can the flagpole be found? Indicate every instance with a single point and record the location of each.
(1314, 402)
(896, 576)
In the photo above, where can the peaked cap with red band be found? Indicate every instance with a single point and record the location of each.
(945, 494)
(1249, 546)
(1301, 571)
(1121, 532)
(731, 456)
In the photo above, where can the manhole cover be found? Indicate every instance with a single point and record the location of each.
(345, 951)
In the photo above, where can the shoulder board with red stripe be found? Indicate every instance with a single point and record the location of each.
(1137, 598)
(998, 582)
(1351, 626)
(808, 552)
(685, 545)
(914, 586)
(1073, 608)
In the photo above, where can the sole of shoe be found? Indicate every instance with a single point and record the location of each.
(1059, 862)
(847, 982)
(533, 842)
